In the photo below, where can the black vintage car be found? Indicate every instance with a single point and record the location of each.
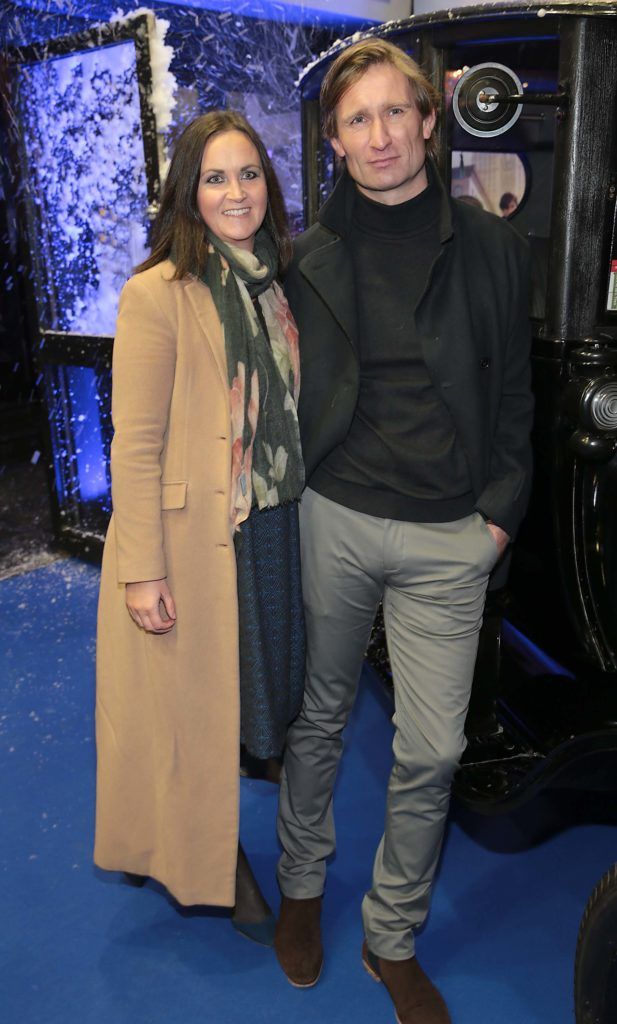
(529, 130)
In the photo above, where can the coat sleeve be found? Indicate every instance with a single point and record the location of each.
(144, 361)
(504, 499)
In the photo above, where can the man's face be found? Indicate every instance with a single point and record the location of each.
(382, 136)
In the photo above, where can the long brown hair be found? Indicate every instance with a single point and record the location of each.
(354, 61)
(178, 223)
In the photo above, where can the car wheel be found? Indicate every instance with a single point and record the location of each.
(595, 969)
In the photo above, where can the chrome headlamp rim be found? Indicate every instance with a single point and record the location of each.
(598, 405)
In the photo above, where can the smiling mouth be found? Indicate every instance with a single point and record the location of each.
(237, 213)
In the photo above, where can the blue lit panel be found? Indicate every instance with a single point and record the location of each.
(86, 428)
(79, 407)
(80, 118)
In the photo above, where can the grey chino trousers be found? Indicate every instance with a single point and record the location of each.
(432, 579)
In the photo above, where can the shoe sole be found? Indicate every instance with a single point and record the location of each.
(306, 984)
(369, 970)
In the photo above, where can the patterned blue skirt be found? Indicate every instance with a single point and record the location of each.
(272, 642)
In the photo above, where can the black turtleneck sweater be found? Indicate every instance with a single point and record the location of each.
(401, 458)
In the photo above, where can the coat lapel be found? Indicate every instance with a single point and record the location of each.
(202, 302)
(330, 272)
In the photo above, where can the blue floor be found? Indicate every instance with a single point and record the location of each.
(80, 947)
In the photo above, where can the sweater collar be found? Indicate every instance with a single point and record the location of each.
(337, 211)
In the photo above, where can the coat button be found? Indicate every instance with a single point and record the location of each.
(485, 363)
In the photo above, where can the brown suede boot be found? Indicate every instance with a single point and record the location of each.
(297, 940)
(415, 998)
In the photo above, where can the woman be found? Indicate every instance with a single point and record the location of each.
(200, 637)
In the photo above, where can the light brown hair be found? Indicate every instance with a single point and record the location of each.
(178, 223)
(354, 61)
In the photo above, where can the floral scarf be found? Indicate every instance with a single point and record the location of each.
(263, 366)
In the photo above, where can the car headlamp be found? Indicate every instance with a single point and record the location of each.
(598, 406)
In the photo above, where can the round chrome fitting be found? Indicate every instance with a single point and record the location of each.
(481, 102)
(599, 405)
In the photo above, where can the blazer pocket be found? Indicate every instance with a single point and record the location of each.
(173, 495)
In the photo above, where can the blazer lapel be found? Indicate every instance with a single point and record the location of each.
(202, 302)
(330, 272)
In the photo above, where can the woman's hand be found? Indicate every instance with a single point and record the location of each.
(143, 601)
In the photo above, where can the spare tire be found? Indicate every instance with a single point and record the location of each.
(595, 969)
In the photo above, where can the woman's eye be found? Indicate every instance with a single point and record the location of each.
(251, 175)
(214, 179)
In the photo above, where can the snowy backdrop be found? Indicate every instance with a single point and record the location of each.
(85, 180)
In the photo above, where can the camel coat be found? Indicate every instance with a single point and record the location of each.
(168, 706)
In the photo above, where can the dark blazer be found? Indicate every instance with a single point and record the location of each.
(474, 325)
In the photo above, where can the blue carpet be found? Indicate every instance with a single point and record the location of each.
(80, 947)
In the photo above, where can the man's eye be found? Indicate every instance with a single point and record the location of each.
(397, 110)
(358, 119)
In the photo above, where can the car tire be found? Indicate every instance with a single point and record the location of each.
(595, 968)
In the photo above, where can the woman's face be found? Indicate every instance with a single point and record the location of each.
(232, 195)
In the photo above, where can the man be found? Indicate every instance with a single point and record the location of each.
(415, 413)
